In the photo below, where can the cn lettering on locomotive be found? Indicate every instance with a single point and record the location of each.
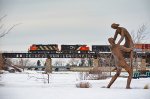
(74, 48)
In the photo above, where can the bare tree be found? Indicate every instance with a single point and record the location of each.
(74, 62)
(8, 63)
(3, 31)
(59, 62)
(22, 62)
(140, 35)
(1, 61)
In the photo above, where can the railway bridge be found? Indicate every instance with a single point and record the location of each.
(61, 55)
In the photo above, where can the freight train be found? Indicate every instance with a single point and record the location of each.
(53, 48)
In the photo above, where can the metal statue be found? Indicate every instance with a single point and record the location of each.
(118, 53)
(116, 50)
(124, 35)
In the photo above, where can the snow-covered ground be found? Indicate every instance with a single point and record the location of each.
(33, 85)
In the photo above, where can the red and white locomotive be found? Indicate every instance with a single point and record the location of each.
(53, 48)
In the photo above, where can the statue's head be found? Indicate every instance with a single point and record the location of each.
(114, 26)
(111, 41)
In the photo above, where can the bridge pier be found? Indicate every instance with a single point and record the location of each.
(48, 66)
(1, 61)
(96, 62)
(143, 64)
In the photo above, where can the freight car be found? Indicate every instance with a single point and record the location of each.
(100, 48)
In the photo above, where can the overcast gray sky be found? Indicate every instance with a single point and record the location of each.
(69, 21)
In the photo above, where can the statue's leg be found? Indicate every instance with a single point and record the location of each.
(114, 69)
(114, 77)
(130, 72)
(131, 59)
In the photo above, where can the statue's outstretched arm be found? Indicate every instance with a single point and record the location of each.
(115, 36)
(125, 49)
(122, 37)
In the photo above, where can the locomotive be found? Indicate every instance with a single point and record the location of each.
(39, 48)
(53, 48)
(74, 49)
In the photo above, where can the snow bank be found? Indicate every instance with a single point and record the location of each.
(33, 85)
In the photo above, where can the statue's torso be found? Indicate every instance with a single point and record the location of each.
(119, 59)
(123, 32)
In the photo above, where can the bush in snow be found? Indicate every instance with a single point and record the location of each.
(93, 76)
(83, 85)
(83, 75)
(146, 86)
(97, 74)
